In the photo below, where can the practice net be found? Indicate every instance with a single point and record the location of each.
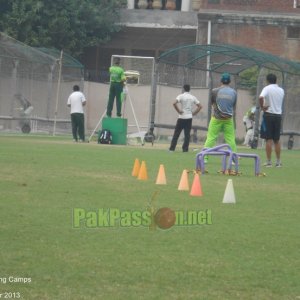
(202, 65)
(30, 89)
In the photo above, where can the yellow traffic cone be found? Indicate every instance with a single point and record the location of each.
(143, 175)
(136, 168)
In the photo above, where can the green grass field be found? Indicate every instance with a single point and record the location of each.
(250, 251)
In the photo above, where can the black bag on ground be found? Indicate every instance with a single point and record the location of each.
(104, 137)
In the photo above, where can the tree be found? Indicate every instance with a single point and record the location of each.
(248, 79)
(70, 25)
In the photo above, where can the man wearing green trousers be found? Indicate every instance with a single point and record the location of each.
(223, 100)
(76, 101)
(117, 79)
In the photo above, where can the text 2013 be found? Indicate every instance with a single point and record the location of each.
(10, 295)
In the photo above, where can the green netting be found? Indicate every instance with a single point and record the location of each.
(226, 58)
(11, 48)
(67, 59)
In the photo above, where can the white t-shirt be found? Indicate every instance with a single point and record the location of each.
(187, 100)
(76, 99)
(273, 97)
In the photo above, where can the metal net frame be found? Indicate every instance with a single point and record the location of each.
(139, 72)
(29, 78)
(201, 66)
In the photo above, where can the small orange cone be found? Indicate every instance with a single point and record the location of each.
(184, 182)
(136, 168)
(161, 176)
(143, 175)
(196, 189)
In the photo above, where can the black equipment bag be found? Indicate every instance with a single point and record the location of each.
(104, 137)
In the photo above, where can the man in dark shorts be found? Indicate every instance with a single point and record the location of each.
(271, 101)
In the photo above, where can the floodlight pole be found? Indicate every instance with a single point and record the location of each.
(57, 91)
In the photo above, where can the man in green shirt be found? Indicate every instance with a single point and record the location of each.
(117, 79)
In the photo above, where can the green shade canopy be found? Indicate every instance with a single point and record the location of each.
(221, 58)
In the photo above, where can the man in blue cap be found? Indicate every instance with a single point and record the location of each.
(223, 101)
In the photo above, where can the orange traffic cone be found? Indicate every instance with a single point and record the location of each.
(161, 176)
(196, 189)
(136, 168)
(143, 175)
(184, 182)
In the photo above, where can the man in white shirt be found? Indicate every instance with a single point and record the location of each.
(271, 101)
(76, 101)
(184, 121)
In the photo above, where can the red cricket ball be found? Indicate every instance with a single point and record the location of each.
(165, 218)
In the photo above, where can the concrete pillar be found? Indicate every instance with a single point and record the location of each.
(130, 4)
(186, 5)
(195, 5)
